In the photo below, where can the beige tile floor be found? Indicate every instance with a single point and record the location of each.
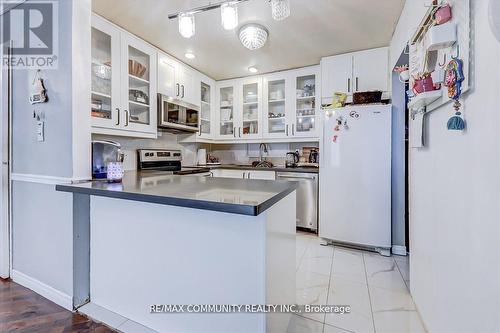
(376, 288)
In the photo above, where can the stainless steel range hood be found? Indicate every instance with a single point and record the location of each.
(177, 116)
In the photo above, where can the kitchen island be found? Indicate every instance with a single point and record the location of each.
(179, 240)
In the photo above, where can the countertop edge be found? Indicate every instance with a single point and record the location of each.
(239, 209)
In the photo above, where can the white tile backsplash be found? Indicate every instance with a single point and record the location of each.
(164, 141)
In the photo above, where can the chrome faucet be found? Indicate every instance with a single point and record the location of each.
(263, 148)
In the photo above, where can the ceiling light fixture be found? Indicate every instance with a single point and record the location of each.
(280, 9)
(190, 55)
(253, 36)
(229, 15)
(252, 69)
(186, 25)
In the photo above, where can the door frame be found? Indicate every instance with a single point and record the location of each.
(5, 151)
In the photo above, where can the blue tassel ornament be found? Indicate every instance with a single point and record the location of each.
(456, 123)
(454, 76)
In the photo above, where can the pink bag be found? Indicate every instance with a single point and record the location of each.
(423, 85)
(443, 14)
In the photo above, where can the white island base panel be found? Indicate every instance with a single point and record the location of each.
(143, 254)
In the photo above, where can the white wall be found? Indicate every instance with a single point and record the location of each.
(42, 229)
(455, 197)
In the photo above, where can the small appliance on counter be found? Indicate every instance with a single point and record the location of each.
(103, 153)
(292, 159)
(202, 157)
(314, 156)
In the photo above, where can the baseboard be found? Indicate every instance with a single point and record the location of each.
(399, 250)
(41, 288)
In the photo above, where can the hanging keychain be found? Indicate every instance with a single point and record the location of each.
(454, 76)
(38, 91)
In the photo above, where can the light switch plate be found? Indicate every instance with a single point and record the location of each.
(40, 135)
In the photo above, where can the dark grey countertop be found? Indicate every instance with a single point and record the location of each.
(237, 196)
(276, 168)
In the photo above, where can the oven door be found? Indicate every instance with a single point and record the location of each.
(177, 115)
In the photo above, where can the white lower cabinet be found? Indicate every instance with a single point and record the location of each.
(244, 174)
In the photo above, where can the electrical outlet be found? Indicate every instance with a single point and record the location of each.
(40, 135)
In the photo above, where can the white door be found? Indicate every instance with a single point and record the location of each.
(167, 84)
(206, 105)
(227, 102)
(189, 85)
(250, 109)
(305, 120)
(139, 78)
(276, 102)
(105, 84)
(371, 70)
(336, 76)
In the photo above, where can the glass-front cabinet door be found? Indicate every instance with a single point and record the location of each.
(275, 106)
(251, 109)
(226, 115)
(306, 113)
(139, 64)
(205, 110)
(105, 73)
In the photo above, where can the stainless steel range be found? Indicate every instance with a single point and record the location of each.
(161, 161)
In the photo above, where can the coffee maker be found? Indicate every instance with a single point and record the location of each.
(104, 152)
(292, 158)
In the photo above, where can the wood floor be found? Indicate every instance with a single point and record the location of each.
(22, 311)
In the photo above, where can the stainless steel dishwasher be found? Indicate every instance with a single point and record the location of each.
(307, 197)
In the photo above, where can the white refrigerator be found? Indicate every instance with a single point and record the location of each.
(355, 177)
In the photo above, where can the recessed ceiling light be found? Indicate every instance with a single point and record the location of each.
(252, 69)
(190, 55)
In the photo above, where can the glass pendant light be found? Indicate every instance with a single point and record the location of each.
(280, 9)
(253, 36)
(186, 25)
(229, 15)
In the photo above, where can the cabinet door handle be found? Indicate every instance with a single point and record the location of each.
(117, 116)
(182, 91)
(234, 131)
(349, 85)
(239, 132)
(244, 175)
(286, 129)
(200, 131)
(293, 129)
(248, 176)
(126, 118)
(357, 83)
(178, 89)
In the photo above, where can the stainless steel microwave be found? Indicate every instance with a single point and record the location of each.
(175, 115)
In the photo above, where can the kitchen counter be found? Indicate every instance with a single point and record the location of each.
(276, 168)
(167, 239)
(237, 196)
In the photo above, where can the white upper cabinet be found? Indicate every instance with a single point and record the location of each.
(371, 70)
(188, 83)
(306, 116)
(178, 80)
(250, 108)
(206, 118)
(240, 109)
(167, 85)
(139, 84)
(354, 72)
(123, 82)
(336, 75)
(105, 72)
(277, 101)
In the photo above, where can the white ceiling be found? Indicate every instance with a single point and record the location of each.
(315, 28)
